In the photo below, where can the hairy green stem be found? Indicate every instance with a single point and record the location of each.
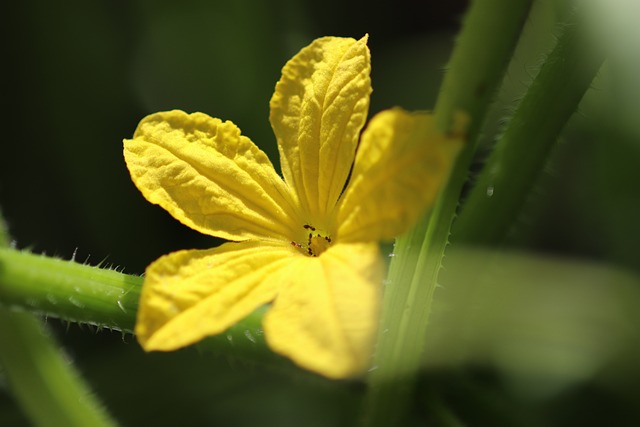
(44, 383)
(68, 290)
(482, 52)
(107, 299)
(522, 150)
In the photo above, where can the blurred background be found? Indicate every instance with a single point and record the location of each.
(78, 76)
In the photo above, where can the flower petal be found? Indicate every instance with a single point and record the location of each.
(401, 164)
(326, 313)
(317, 111)
(189, 295)
(209, 176)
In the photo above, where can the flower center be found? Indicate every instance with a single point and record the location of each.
(317, 241)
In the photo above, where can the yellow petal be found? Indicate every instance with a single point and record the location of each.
(317, 111)
(326, 313)
(208, 176)
(189, 295)
(401, 164)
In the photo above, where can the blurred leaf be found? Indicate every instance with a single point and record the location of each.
(546, 323)
(615, 27)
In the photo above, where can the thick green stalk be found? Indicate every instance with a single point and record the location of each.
(482, 52)
(68, 290)
(105, 298)
(522, 150)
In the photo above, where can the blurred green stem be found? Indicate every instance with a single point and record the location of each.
(45, 385)
(522, 150)
(482, 52)
(4, 233)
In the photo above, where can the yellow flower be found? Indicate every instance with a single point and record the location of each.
(306, 245)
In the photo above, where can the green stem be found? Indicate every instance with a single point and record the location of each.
(45, 385)
(106, 298)
(521, 152)
(483, 50)
(47, 388)
(68, 290)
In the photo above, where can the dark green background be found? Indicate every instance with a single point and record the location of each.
(79, 75)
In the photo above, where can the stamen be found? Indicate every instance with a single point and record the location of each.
(317, 241)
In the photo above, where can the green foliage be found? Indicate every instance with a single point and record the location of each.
(542, 336)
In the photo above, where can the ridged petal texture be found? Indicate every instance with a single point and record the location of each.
(209, 177)
(325, 315)
(189, 295)
(401, 164)
(317, 112)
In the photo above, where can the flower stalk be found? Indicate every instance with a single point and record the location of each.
(482, 52)
(68, 290)
(104, 298)
(521, 152)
